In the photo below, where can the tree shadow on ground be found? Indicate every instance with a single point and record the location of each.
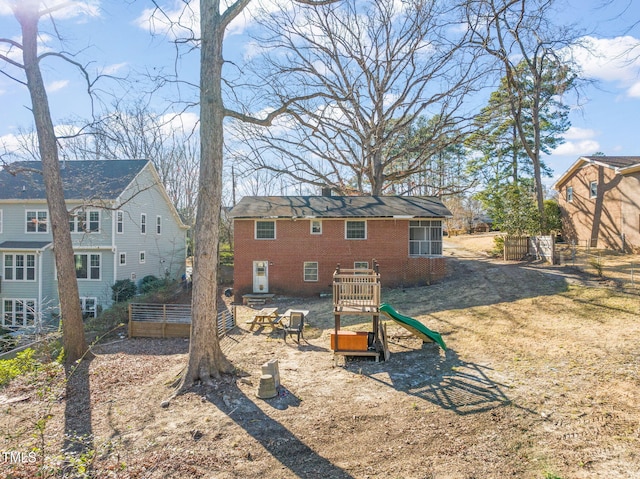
(480, 282)
(276, 439)
(447, 382)
(78, 447)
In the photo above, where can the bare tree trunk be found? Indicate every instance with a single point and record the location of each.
(206, 360)
(75, 344)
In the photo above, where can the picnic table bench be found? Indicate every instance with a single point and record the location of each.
(265, 317)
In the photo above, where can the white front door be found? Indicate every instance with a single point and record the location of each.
(260, 277)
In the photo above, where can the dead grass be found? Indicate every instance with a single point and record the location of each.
(540, 381)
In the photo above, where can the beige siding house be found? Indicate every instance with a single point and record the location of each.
(600, 201)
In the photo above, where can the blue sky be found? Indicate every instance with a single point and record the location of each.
(114, 36)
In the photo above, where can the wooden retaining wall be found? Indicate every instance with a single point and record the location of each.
(169, 320)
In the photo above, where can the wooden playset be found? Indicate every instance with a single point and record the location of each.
(357, 292)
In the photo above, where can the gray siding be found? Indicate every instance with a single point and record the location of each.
(164, 253)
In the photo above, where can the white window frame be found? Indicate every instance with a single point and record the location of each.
(319, 224)
(143, 223)
(36, 222)
(593, 186)
(88, 312)
(90, 266)
(255, 229)
(120, 222)
(142, 257)
(430, 231)
(310, 267)
(14, 267)
(122, 259)
(158, 225)
(569, 197)
(346, 229)
(14, 313)
(81, 221)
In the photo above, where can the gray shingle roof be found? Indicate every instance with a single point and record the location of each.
(24, 245)
(99, 179)
(339, 207)
(615, 161)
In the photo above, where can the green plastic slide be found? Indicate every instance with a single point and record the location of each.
(414, 326)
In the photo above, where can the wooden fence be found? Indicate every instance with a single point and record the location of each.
(517, 248)
(169, 320)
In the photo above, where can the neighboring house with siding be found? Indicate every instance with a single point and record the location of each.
(600, 201)
(292, 244)
(122, 225)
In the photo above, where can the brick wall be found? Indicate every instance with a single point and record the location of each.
(387, 242)
(601, 222)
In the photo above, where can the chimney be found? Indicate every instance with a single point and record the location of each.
(327, 191)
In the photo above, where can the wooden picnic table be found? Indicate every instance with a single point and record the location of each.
(265, 317)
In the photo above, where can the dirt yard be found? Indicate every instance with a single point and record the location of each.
(540, 381)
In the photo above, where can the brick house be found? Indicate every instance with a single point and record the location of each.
(600, 201)
(292, 244)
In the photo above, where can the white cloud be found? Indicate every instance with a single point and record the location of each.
(182, 122)
(576, 133)
(68, 9)
(634, 90)
(182, 20)
(5, 8)
(579, 142)
(577, 148)
(113, 69)
(612, 60)
(57, 85)
(9, 142)
(178, 21)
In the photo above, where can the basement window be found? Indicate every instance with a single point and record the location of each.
(311, 271)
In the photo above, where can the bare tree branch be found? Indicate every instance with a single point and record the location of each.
(362, 77)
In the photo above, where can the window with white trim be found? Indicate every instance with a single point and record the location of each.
(316, 227)
(143, 224)
(159, 225)
(593, 189)
(265, 230)
(19, 267)
(82, 221)
(360, 265)
(88, 306)
(425, 237)
(18, 312)
(142, 257)
(88, 266)
(569, 194)
(120, 222)
(311, 271)
(37, 221)
(355, 229)
(123, 258)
